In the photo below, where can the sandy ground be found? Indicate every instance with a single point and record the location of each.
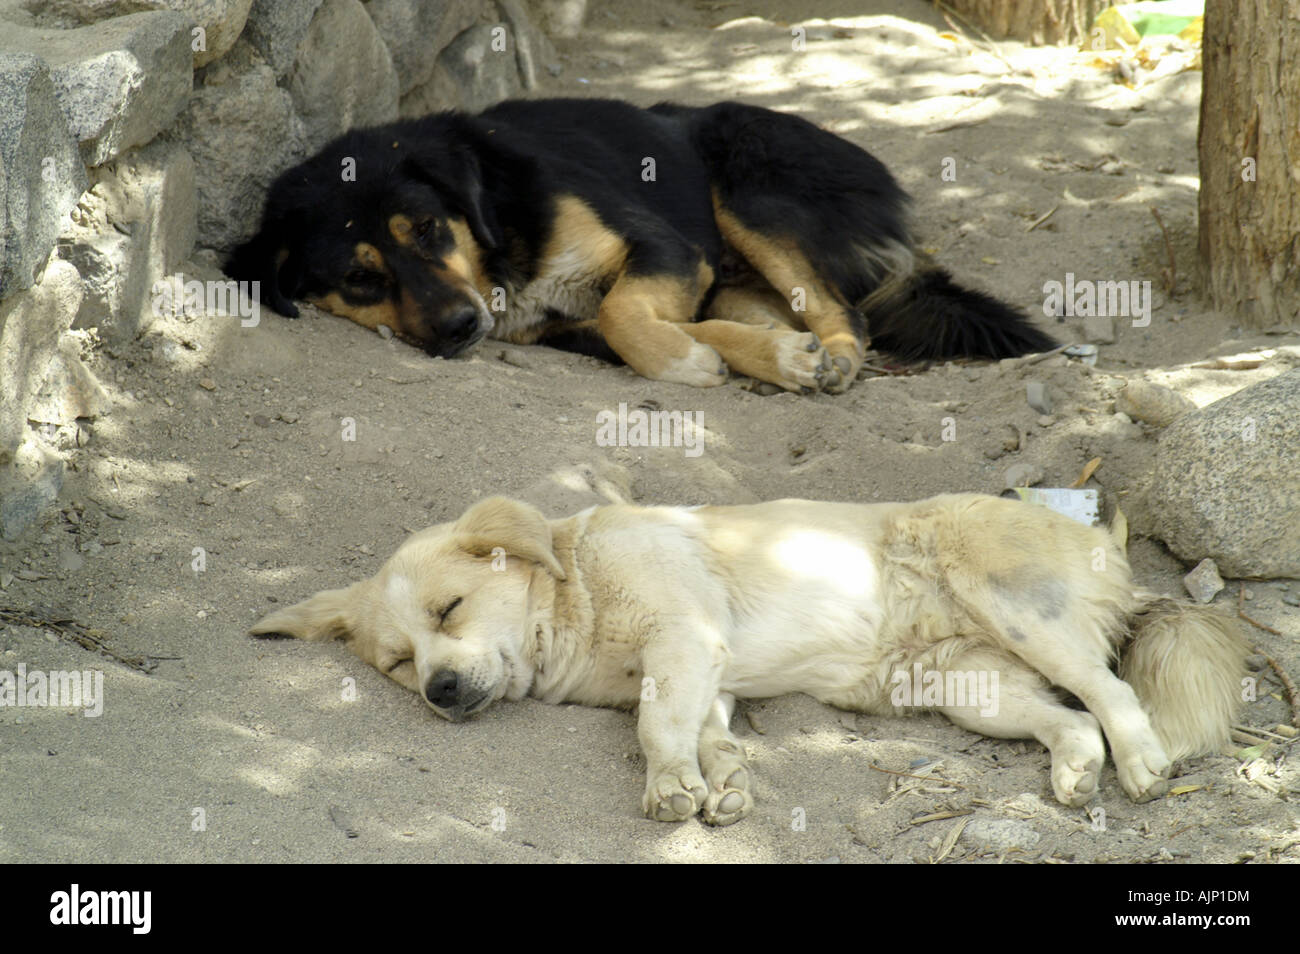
(229, 439)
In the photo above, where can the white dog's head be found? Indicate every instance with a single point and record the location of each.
(447, 615)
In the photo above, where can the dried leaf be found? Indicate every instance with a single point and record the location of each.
(1088, 470)
(950, 840)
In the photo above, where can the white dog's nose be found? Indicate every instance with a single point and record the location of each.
(443, 689)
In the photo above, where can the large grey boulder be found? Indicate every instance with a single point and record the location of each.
(119, 82)
(41, 174)
(134, 225)
(415, 32)
(1227, 481)
(477, 69)
(533, 50)
(216, 23)
(28, 487)
(30, 327)
(343, 76)
(241, 131)
(276, 29)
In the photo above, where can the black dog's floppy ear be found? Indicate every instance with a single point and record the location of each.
(457, 174)
(270, 259)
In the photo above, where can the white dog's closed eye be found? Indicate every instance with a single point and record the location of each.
(439, 615)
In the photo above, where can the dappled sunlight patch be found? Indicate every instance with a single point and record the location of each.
(834, 560)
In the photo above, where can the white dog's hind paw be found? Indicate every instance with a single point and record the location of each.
(1144, 773)
(729, 801)
(1077, 757)
(1075, 785)
(674, 796)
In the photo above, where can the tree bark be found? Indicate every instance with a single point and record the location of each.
(1035, 21)
(1249, 145)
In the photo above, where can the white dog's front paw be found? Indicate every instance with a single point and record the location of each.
(730, 800)
(674, 795)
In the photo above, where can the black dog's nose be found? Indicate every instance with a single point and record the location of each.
(461, 324)
(443, 689)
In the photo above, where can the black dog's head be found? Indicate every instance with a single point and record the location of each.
(386, 226)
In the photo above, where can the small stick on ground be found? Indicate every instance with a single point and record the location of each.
(923, 778)
(1033, 358)
(1292, 694)
(79, 633)
(891, 372)
(1042, 218)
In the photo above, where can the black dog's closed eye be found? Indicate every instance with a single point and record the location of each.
(364, 278)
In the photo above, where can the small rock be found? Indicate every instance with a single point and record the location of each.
(1256, 662)
(1039, 398)
(1046, 420)
(1000, 834)
(1204, 582)
(1155, 404)
(207, 384)
(261, 420)
(1290, 599)
(289, 417)
(1099, 329)
(385, 332)
(1022, 475)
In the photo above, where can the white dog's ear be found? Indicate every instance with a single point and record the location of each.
(325, 616)
(515, 527)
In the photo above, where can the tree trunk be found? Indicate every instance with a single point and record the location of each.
(1249, 144)
(1036, 21)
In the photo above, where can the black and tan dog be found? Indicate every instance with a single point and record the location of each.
(682, 241)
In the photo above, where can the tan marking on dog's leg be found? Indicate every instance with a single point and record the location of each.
(754, 306)
(1025, 708)
(642, 318)
(723, 763)
(787, 269)
(790, 359)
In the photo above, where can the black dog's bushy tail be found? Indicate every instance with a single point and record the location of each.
(925, 315)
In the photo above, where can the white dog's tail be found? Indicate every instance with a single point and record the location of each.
(1186, 664)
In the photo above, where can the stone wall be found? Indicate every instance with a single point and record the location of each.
(135, 132)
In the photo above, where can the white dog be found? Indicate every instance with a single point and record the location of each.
(680, 611)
